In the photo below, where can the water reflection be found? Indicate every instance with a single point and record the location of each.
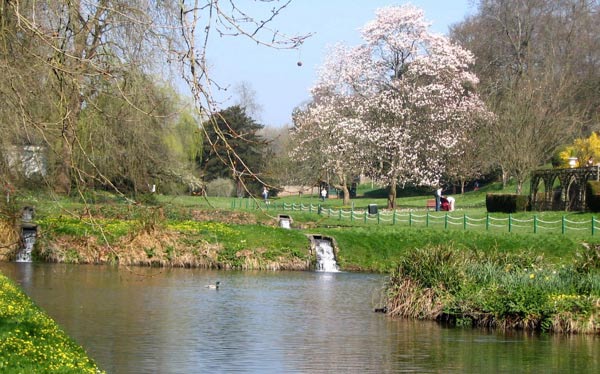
(166, 321)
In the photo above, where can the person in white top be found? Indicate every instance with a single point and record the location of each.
(450, 200)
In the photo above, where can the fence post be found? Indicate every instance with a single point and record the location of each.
(378, 218)
(464, 221)
(310, 208)
(352, 213)
(487, 222)
(446, 221)
(427, 219)
(340, 214)
(509, 222)
(535, 223)
(410, 219)
(593, 225)
(564, 225)
(394, 218)
(366, 215)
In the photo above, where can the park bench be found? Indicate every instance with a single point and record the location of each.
(430, 204)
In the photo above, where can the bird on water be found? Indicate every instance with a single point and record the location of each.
(213, 286)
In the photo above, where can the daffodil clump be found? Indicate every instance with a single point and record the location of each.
(507, 291)
(31, 342)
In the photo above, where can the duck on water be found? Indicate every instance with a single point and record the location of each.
(213, 286)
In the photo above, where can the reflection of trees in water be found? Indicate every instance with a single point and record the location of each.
(164, 320)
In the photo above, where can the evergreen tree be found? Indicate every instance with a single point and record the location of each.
(233, 149)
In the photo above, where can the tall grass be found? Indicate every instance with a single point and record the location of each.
(496, 289)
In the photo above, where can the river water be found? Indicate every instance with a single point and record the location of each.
(143, 320)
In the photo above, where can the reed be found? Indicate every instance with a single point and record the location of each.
(500, 290)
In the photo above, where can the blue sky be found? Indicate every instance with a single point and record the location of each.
(280, 84)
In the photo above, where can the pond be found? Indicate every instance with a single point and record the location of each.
(148, 320)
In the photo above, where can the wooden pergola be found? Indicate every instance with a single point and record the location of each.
(563, 189)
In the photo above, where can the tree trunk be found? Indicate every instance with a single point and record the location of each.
(70, 102)
(519, 186)
(344, 186)
(70, 80)
(63, 177)
(346, 194)
(391, 202)
(504, 178)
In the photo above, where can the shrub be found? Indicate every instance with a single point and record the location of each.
(592, 195)
(220, 187)
(433, 267)
(490, 289)
(506, 203)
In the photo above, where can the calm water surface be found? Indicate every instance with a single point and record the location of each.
(143, 320)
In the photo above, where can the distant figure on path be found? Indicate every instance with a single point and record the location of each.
(323, 194)
(438, 198)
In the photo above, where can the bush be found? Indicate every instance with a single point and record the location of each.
(501, 290)
(506, 203)
(592, 195)
(220, 187)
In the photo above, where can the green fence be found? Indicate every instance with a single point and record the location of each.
(446, 220)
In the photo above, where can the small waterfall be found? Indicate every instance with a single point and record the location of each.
(325, 256)
(29, 235)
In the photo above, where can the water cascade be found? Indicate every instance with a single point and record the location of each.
(28, 235)
(325, 254)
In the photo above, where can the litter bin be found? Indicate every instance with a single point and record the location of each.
(284, 221)
(372, 208)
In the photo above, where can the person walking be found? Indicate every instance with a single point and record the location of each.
(438, 199)
(323, 194)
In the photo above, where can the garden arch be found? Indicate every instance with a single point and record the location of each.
(563, 189)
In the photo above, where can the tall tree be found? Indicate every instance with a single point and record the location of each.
(538, 61)
(328, 137)
(62, 56)
(410, 92)
(85, 46)
(232, 139)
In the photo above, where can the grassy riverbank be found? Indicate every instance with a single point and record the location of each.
(191, 231)
(499, 290)
(30, 342)
(196, 232)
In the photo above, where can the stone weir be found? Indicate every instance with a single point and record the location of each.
(324, 250)
(28, 235)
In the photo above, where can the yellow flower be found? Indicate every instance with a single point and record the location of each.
(531, 276)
